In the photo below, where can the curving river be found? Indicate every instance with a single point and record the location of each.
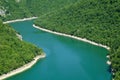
(67, 58)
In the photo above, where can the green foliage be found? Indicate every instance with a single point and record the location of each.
(15, 10)
(117, 76)
(28, 8)
(14, 51)
(96, 20)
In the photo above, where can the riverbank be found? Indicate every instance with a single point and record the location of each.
(17, 20)
(19, 36)
(78, 38)
(23, 68)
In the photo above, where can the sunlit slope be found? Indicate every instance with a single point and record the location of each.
(15, 9)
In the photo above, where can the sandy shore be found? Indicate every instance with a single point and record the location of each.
(17, 20)
(78, 38)
(23, 68)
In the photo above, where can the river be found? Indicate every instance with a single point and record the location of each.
(67, 58)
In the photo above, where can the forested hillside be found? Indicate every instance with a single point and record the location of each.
(15, 9)
(96, 20)
(14, 52)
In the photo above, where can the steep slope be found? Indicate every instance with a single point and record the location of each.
(26, 8)
(96, 20)
(13, 51)
(14, 9)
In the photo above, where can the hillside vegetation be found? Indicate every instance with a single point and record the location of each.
(96, 20)
(28, 8)
(14, 52)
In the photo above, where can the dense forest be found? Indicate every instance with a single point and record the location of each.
(15, 9)
(96, 20)
(13, 51)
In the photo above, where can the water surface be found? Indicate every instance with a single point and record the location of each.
(67, 58)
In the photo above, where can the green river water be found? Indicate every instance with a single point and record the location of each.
(67, 58)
